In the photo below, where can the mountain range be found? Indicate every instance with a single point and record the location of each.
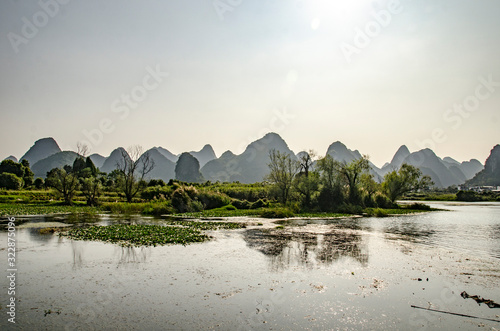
(251, 165)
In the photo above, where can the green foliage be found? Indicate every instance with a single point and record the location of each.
(138, 235)
(156, 182)
(10, 181)
(277, 213)
(64, 182)
(12, 167)
(469, 196)
(282, 173)
(408, 178)
(376, 212)
(184, 200)
(383, 202)
(39, 183)
(157, 193)
(21, 170)
(27, 209)
(418, 206)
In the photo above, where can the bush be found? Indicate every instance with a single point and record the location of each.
(277, 213)
(259, 204)
(377, 212)
(330, 199)
(157, 193)
(418, 206)
(383, 202)
(158, 208)
(10, 181)
(211, 199)
(39, 183)
(348, 208)
(241, 204)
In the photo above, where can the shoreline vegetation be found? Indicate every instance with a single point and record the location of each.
(292, 189)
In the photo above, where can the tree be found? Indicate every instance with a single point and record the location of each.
(408, 178)
(282, 173)
(331, 194)
(39, 183)
(351, 173)
(133, 168)
(28, 175)
(92, 189)
(187, 169)
(370, 187)
(10, 181)
(64, 181)
(307, 181)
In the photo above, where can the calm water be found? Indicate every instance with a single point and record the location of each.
(336, 274)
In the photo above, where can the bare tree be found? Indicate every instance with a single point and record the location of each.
(282, 172)
(133, 167)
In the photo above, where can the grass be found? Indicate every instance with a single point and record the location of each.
(136, 235)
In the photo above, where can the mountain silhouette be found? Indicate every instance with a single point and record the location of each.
(42, 148)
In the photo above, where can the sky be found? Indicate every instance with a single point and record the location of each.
(181, 74)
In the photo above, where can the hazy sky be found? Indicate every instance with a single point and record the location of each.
(180, 74)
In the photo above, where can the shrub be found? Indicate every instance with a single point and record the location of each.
(377, 212)
(10, 181)
(39, 183)
(241, 204)
(277, 213)
(157, 193)
(211, 199)
(348, 208)
(418, 206)
(259, 204)
(383, 202)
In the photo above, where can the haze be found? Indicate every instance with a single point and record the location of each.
(181, 74)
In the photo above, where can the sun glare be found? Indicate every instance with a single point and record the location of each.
(334, 12)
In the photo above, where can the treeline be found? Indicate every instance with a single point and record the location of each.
(303, 184)
(329, 185)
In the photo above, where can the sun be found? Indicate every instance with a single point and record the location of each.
(334, 12)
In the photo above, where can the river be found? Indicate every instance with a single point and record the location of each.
(349, 274)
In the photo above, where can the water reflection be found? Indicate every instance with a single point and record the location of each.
(132, 254)
(410, 231)
(305, 249)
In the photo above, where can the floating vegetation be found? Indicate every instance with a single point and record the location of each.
(9, 209)
(128, 235)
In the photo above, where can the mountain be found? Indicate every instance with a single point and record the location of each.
(490, 175)
(97, 159)
(430, 164)
(12, 157)
(40, 150)
(249, 167)
(163, 169)
(205, 155)
(471, 168)
(339, 152)
(167, 154)
(57, 160)
(110, 164)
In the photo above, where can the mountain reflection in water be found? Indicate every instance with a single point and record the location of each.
(310, 250)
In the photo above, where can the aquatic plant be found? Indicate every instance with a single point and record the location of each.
(175, 232)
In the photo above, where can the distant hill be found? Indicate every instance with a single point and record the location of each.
(42, 149)
(167, 154)
(110, 164)
(205, 155)
(339, 152)
(97, 159)
(396, 162)
(57, 160)
(163, 169)
(249, 167)
(490, 175)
